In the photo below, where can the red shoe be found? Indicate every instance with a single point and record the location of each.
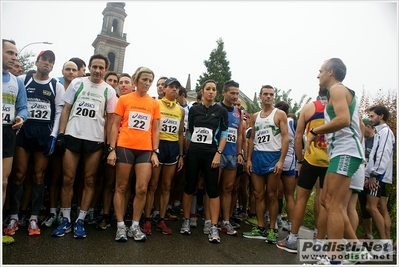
(161, 226)
(146, 228)
(33, 228)
(11, 227)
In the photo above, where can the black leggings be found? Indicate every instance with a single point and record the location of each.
(200, 161)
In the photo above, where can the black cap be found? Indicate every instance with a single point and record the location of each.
(171, 80)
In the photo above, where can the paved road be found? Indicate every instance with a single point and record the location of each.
(100, 248)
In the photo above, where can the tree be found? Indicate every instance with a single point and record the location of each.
(217, 69)
(26, 63)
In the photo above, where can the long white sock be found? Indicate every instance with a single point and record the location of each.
(82, 215)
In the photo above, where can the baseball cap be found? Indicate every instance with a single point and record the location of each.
(48, 52)
(366, 121)
(171, 80)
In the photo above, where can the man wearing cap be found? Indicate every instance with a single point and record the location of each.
(89, 104)
(14, 113)
(37, 137)
(170, 154)
(379, 172)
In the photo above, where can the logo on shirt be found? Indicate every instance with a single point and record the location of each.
(47, 93)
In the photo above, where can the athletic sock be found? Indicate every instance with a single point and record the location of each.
(82, 215)
(66, 212)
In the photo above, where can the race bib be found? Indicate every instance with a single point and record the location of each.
(39, 110)
(8, 113)
(263, 136)
(232, 135)
(85, 109)
(202, 135)
(139, 121)
(170, 126)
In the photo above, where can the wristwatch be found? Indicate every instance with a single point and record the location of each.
(156, 151)
(219, 151)
(111, 149)
(312, 132)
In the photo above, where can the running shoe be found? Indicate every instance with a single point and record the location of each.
(207, 228)
(366, 236)
(170, 217)
(7, 240)
(241, 215)
(136, 233)
(146, 228)
(193, 222)
(235, 224)
(50, 220)
(11, 227)
(252, 221)
(79, 229)
(155, 219)
(161, 226)
(287, 226)
(256, 233)
(65, 227)
(290, 247)
(185, 227)
(103, 225)
(33, 228)
(91, 219)
(23, 220)
(357, 257)
(213, 236)
(177, 210)
(279, 222)
(120, 234)
(271, 236)
(228, 229)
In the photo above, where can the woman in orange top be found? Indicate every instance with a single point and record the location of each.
(138, 116)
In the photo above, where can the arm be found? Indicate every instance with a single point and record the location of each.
(282, 124)
(251, 145)
(341, 110)
(64, 117)
(384, 149)
(113, 134)
(21, 106)
(155, 142)
(59, 104)
(240, 155)
(223, 138)
(181, 141)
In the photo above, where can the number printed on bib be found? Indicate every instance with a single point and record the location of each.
(263, 136)
(8, 113)
(170, 126)
(232, 135)
(86, 109)
(39, 110)
(202, 135)
(139, 121)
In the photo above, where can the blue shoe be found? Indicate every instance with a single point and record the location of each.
(65, 227)
(79, 229)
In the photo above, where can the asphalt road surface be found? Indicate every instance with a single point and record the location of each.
(100, 248)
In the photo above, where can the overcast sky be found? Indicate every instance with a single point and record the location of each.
(280, 43)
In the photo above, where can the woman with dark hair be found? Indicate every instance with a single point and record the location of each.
(207, 133)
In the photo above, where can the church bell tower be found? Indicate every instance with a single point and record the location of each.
(111, 42)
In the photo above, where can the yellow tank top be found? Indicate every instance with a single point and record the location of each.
(318, 156)
(170, 122)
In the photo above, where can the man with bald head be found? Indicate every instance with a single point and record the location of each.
(69, 72)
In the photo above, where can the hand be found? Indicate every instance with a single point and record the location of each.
(278, 168)
(154, 160)
(216, 161)
(373, 184)
(311, 138)
(60, 144)
(50, 146)
(18, 123)
(111, 159)
(249, 167)
(180, 163)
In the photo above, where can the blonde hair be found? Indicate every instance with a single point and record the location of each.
(139, 71)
